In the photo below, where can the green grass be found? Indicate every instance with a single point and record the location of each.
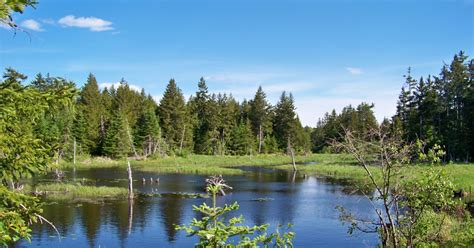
(462, 175)
(67, 192)
(331, 165)
(196, 164)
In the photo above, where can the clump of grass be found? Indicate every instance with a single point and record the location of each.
(65, 191)
(190, 169)
(462, 175)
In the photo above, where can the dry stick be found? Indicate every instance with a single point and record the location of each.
(352, 148)
(130, 181)
(130, 215)
(292, 153)
(41, 218)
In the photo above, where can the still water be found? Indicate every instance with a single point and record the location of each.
(265, 196)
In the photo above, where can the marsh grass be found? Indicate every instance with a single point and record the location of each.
(341, 166)
(462, 175)
(67, 192)
(201, 164)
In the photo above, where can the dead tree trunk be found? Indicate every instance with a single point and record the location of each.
(260, 139)
(130, 198)
(292, 153)
(130, 182)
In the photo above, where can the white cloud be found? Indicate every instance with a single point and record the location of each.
(94, 24)
(4, 26)
(117, 84)
(48, 21)
(31, 25)
(354, 70)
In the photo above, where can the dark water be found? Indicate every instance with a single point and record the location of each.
(308, 202)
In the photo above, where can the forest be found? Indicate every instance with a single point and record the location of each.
(120, 122)
(86, 165)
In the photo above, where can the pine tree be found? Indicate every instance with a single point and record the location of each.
(202, 130)
(92, 109)
(173, 117)
(284, 122)
(260, 117)
(128, 101)
(227, 116)
(117, 141)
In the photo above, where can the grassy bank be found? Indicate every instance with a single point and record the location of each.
(332, 165)
(203, 164)
(68, 192)
(462, 175)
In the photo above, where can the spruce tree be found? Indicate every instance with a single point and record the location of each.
(117, 141)
(173, 116)
(92, 109)
(260, 117)
(284, 122)
(202, 130)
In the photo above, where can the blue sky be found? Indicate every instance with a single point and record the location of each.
(327, 53)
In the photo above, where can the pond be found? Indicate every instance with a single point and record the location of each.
(265, 196)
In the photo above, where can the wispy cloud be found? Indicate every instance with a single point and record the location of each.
(94, 24)
(354, 70)
(118, 84)
(31, 25)
(48, 21)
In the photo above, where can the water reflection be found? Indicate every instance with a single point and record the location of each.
(264, 195)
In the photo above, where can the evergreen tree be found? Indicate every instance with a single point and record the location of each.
(127, 101)
(227, 116)
(117, 141)
(202, 110)
(173, 117)
(242, 141)
(285, 122)
(260, 117)
(365, 118)
(92, 108)
(148, 134)
(79, 131)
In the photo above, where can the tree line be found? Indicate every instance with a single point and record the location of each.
(433, 110)
(120, 121)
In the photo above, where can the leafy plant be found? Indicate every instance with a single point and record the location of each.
(213, 231)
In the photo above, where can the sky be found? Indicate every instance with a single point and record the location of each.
(328, 54)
